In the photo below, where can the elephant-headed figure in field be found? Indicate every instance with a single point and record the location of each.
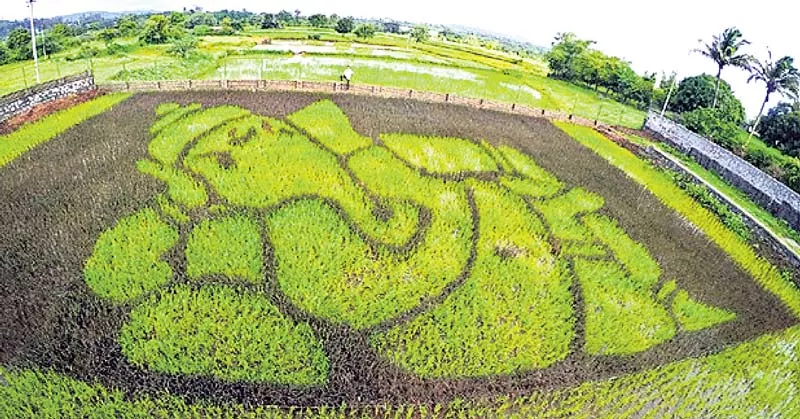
(456, 258)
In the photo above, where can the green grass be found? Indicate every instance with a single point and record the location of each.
(658, 183)
(513, 314)
(228, 246)
(440, 155)
(31, 135)
(126, 261)
(252, 340)
(181, 188)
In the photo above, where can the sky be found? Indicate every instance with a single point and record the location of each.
(653, 36)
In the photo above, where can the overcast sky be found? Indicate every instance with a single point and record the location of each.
(653, 36)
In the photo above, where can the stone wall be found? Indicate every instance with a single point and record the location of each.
(24, 100)
(765, 190)
(767, 243)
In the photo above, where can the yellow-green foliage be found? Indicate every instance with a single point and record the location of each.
(180, 186)
(325, 122)
(440, 155)
(31, 135)
(666, 290)
(169, 113)
(171, 210)
(280, 164)
(365, 286)
(622, 314)
(662, 187)
(229, 246)
(560, 213)
(632, 255)
(126, 261)
(693, 315)
(166, 147)
(224, 332)
(529, 169)
(513, 314)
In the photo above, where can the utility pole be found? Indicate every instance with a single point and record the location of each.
(33, 42)
(669, 94)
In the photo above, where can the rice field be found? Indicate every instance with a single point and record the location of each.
(304, 255)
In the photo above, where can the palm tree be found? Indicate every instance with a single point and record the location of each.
(723, 50)
(780, 77)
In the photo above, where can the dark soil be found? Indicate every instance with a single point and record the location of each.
(57, 199)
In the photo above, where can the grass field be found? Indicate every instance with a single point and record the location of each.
(220, 253)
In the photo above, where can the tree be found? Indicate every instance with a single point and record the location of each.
(177, 19)
(318, 20)
(779, 77)
(420, 33)
(391, 27)
(365, 31)
(108, 35)
(156, 30)
(226, 26)
(183, 47)
(780, 128)
(345, 25)
(127, 26)
(268, 21)
(723, 50)
(285, 18)
(697, 92)
(19, 44)
(5, 54)
(566, 48)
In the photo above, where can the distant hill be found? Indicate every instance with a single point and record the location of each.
(7, 26)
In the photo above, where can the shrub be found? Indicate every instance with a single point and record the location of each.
(711, 123)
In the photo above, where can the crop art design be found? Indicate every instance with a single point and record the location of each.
(455, 258)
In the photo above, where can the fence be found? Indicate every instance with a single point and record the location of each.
(24, 100)
(767, 191)
(335, 87)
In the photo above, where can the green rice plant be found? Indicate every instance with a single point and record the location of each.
(165, 108)
(528, 168)
(228, 246)
(126, 261)
(633, 256)
(166, 147)
(767, 275)
(31, 135)
(327, 123)
(169, 113)
(622, 315)
(440, 155)
(266, 167)
(171, 210)
(252, 340)
(497, 156)
(666, 290)
(316, 253)
(693, 315)
(561, 213)
(181, 188)
(514, 313)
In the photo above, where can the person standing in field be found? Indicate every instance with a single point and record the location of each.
(346, 76)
